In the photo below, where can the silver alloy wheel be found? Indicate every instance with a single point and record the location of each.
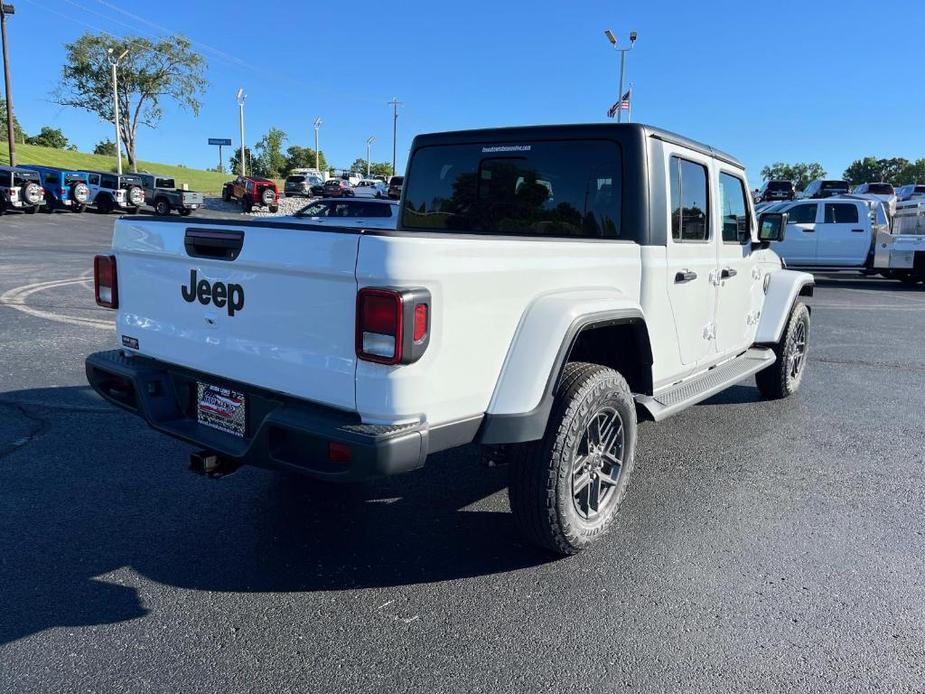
(32, 193)
(597, 464)
(797, 354)
(81, 192)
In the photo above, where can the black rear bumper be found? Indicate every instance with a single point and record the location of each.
(281, 431)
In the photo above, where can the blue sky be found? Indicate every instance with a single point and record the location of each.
(766, 81)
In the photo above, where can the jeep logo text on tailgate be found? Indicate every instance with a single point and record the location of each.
(220, 294)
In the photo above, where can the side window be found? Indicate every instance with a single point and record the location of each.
(94, 179)
(733, 204)
(109, 182)
(52, 178)
(689, 204)
(841, 213)
(803, 214)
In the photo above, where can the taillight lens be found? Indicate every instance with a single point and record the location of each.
(392, 325)
(105, 284)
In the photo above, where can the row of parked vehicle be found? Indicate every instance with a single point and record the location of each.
(776, 191)
(312, 183)
(32, 188)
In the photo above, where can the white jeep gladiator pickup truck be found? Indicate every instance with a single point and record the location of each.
(546, 288)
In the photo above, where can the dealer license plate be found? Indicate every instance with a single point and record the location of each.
(221, 408)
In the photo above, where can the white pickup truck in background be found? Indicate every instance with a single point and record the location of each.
(545, 287)
(854, 233)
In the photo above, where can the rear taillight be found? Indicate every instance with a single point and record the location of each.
(104, 281)
(392, 325)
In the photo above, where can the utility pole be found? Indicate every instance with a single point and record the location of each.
(369, 144)
(115, 105)
(317, 151)
(623, 51)
(394, 103)
(240, 97)
(10, 135)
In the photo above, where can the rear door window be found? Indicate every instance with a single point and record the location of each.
(841, 213)
(539, 189)
(689, 201)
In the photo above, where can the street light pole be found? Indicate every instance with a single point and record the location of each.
(10, 135)
(115, 105)
(623, 51)
(240, 97)
(394, 103)
(369, 144)
(317, 151)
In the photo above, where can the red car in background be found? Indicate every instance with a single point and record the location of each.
(338, 188)
(252, 192)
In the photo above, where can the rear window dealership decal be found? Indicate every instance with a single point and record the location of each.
(506, 148)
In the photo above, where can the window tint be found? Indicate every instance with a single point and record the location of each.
(94, 179)
(780, 185)
(841, 213)
(165, 183)
(803, 214)
(880, 189)
(545, 189)
(689, 209)
(109, 182)
(52, 178)
(732, 201)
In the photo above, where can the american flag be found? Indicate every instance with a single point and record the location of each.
(622, 105)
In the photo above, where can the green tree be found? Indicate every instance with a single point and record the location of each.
(873, 170)
(48, 137)
(303, 158)
(270, 151)
(256, 164)
(105, 147)
(914, 172)
(801, 173)
(17, 130)
(149, 73)
(382, 168)
(375, 169)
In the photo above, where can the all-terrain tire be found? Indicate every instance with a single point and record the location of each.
(542, 473)
(161, 207)
(784, 376)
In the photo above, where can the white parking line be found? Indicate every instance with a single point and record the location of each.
(16, 299)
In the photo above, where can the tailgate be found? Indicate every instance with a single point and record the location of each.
(191, 198)
(276, 312)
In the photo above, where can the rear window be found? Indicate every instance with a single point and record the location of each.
(780, 185)
(541, 189)
(841, 213)
(834, 185)
(396, 180)
(880, 189)
(295, 179)
(165, 183)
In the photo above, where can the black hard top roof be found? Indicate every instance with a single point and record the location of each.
(577, 130)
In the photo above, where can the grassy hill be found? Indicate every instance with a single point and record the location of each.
(204, 181)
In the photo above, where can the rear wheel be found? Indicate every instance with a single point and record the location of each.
(785, 375)
(31, 210)
(274, 208)
(78, 208)
(104, 205)
(161, 207)
(186, 212)
(908, 277)
(565, 489)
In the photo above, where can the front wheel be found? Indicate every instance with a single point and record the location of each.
(785, 375)
(565, 489)
(30, 210)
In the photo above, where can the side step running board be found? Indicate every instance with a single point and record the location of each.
(700, 387)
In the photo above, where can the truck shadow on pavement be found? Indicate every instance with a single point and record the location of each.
(86, 490)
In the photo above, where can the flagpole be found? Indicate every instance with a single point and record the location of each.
(629, 110)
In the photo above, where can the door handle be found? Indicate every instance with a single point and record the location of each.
(809, 230)
(728, 273)
(685, 276)
(858, 231)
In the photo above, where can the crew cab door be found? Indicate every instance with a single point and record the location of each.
(691, 254)
(843, 236)
(739, 288)
(799, 244)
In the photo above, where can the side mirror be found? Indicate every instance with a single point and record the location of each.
(771, 227)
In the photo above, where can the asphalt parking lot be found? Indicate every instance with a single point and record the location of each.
(763, 546)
